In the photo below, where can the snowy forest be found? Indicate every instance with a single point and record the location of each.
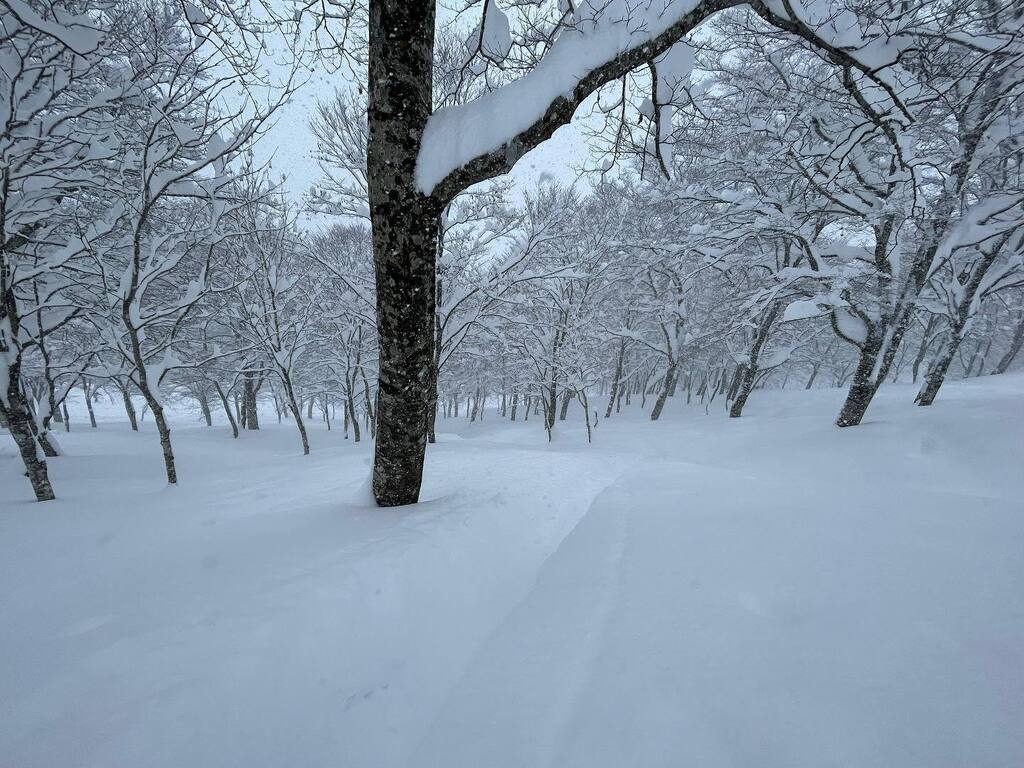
(714, 420)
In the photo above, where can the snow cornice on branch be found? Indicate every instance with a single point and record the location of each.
(469, 143)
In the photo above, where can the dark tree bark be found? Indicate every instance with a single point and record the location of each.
(129, 407)
(670, 377)
(567, 396)
(14, 409)
(370, 417)
(87, 390)
(350, 407)
(227, 410)
(204, 406)
(750, 368)
(864, 384)
(616, 378)
(251, 419)
(293, 406)
(432, 407)
(405, 229)
(813, 376)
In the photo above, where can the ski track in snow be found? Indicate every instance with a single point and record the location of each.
(592, 669)
(703, 591)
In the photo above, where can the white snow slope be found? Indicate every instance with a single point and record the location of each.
(762, 592)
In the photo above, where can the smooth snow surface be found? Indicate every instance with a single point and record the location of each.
(768, 591)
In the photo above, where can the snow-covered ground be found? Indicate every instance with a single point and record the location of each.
(769, 591)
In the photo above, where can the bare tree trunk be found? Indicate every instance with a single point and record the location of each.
(659, 404)
(18, 416)
(515, 405)
(351, 406)
(164, 431)
(751, 367)
(552, 403)
(567, 395)
(227, 409)
(129, 407)
(371, 419)
(252, 419)
(87, 389)
(616, 377)
(405, 230)
(937, 371)
(814, 375)
(586, 413)
(863, 387)
(293, 406)
(432, 407)
(204, 406)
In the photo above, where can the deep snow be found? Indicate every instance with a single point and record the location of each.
(769, 591)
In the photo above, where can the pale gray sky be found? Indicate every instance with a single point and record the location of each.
(290, 145)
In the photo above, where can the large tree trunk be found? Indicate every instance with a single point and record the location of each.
(405, 229)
